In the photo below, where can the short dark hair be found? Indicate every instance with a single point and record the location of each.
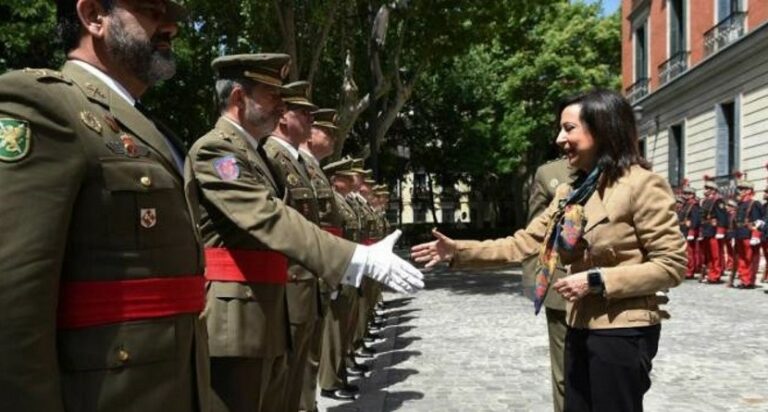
(224, 88)
(68, 22)
(610, 120)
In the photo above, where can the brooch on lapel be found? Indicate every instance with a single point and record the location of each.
(90, 120)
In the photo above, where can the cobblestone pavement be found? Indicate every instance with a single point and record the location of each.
(470, 343)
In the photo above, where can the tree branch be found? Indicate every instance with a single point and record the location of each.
(317, 52)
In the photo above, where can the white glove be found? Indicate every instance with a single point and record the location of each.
(380, 264)
(754, 241)
(689, 238)
(759, 223)
(719, 236)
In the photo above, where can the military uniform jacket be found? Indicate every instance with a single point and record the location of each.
(240, 209)
(351, 222)
(328, 210)
(714, 217)
(690, 218)
(86, 206)
(747, 213)
(545, 181)
(302, 289)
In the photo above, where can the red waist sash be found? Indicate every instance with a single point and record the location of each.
(238, 265)
(334, 230)
(85, 304)
(369, 241)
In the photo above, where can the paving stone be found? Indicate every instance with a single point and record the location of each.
(470, 342)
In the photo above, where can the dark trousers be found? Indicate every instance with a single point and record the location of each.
(608, 370)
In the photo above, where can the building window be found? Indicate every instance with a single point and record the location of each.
(678, 52)
(730, 26)
(642, 148)
(640, 87)
(420, 214)
(727, 139)
(676, 160)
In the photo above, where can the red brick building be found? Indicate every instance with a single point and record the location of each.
(696, 72)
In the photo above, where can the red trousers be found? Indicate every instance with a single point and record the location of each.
(713, 256)
(729, 254)
(693, 259)
(748, 258)
(764, 245)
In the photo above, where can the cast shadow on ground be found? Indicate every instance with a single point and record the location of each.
(401, 312)
(397, 302)
(477, 282)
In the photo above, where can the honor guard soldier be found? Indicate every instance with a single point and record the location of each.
(341, 319)
(749, 220)
(250, 234)
(292, 177)
(714, 223)
(764, 233)
(101, 287)
(689, 216)
(730, 206)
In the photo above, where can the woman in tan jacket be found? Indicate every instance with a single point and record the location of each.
(616, 230)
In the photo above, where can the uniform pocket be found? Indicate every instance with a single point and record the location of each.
(143, 204)
(303, 199)
(117, 346)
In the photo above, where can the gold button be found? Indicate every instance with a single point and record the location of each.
(123, 355)
(146, 181)
(248, 293)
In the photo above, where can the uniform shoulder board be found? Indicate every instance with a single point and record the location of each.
(47, 75)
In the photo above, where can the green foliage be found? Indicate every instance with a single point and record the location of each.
(27, 28)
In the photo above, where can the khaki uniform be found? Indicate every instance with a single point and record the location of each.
(302, 289)
(241, 211)
(331, 220)
(341, 320)
(367, 235)
(546, 180)
(95, 220)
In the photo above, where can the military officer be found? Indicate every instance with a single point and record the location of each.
(319, 146)
(689, 217)
(101, 285)
(713, 225)
(340, 320)
(730, 206)
(249, 234)
(546, 179)
(749, 220)
(292, 176)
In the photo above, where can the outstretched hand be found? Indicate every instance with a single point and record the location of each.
(434, 252)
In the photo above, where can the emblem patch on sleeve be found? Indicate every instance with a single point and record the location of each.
(15, 139)
(226, 167)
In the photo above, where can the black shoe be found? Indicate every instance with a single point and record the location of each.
(352, 388)
(370, 337)
(365, 352)
(340, 394)
(358, 370)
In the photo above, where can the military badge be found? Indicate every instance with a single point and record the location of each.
(129, 145)
(148, 218)
(90, 120)
(112, 123)
(95, 91)
(553, 183)
(226, 167)
(15, 139)
(292, 179)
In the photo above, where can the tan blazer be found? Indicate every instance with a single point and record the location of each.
(631, 232)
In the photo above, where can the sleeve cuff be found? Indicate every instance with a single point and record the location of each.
(353, 275)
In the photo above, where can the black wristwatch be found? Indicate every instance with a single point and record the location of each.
(595, 282)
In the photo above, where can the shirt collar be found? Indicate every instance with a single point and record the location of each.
(251, 140)
(294, 152)
(309, 154)
(110, 82)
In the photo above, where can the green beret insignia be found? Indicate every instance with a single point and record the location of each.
(15, 139)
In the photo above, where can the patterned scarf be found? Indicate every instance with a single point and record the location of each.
(564, 232)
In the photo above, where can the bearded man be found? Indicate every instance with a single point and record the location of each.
(101, 287)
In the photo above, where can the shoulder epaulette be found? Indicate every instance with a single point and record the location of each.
(47, 75)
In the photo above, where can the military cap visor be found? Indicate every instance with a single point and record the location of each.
(688, 190)
(339, 165)
(745, 185)
(326, 118)
(270, 69)
(297, 96)
(710, 185)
